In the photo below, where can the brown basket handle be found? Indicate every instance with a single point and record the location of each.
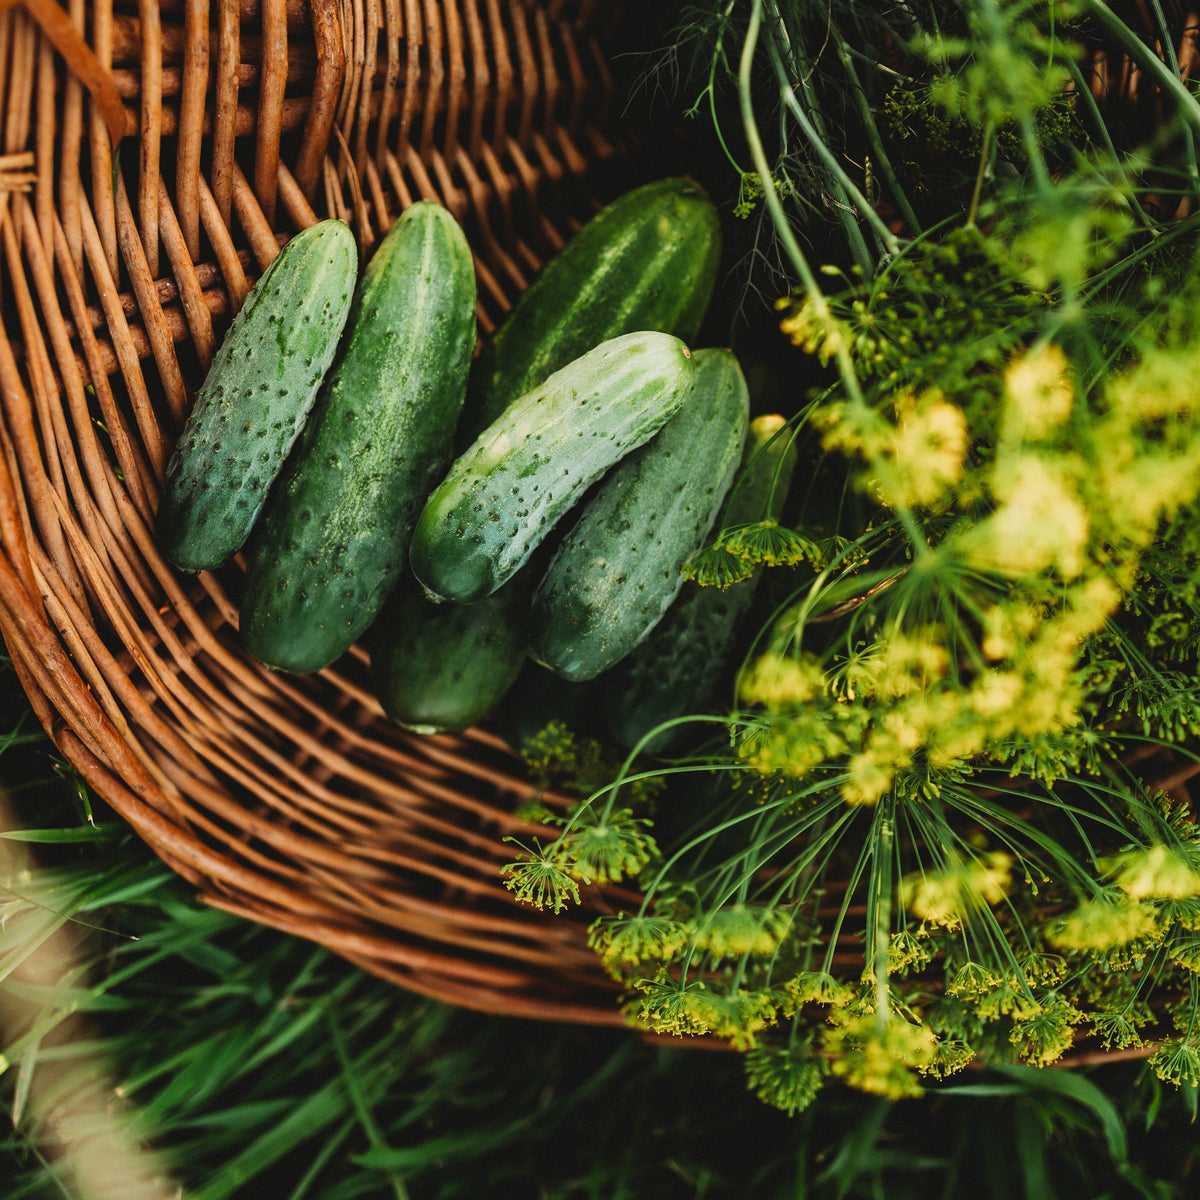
(83, 63)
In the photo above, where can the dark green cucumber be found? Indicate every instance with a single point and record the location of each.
(618, 570)
(441, 668)
(255, 398)
(675, 671)
(646, 262)
(539, 697)
(335, 535)
(506, 492)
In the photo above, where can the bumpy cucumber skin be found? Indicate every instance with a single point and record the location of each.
(335, 534)
(646, 262)
(506, 492)
(618, 570)
(675, 671)
(441, 668)
(255, 398)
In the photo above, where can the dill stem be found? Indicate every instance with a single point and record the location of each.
(851, 204)
(711, 90)
(880, 904)
(985, 154)
(871, 128)
(775, 206)
(812, 289)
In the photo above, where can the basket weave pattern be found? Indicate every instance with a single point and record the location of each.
(153, 163)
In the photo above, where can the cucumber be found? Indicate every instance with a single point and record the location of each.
(255, 398)
(646, 262)
(506, 492)
(618, 570)
(675, 671)
(539, 697)
(441, 668)
(335, 534)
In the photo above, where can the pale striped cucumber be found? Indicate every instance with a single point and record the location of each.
(255, 398)
(507, 491)
(675, 671)
(648, 261)
(335, 535)
(618, 570)
(441, 668)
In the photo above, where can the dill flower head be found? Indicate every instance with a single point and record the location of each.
(793, 745)
(1045, 1036)
(1102, 924)
(1042, 969)
(908, 952)
(1184, 913)
(1008, 626)
(869, 777)
(814, 330)
(947, 896)
(741, 929)
(1012, 997)
(786, 1078)
(818, 987)
(606, 848)
(771, 544)
(912, 661)
(996, 693)
(718, 566)
(1149, 464)
(950, 1055)
(1140, 486)
(737, 1015)
(880, 1058)
(914, 745)
(951, 1019)
(911, 462)
(1185, 951)
(1160, 384)
(1040, 521)
(1039, 393)
(538, 878)
(1177, 1062)
(1087, 606)
(1157, 872)
(853, 430)
(923, 458)
(553, 750)
(624, 942)
(751, 191)
(1119, 1026)
(693, 1007)
(971, 981)
(780, 681)
(671, 1006)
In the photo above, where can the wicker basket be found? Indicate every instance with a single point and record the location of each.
(154, 161)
